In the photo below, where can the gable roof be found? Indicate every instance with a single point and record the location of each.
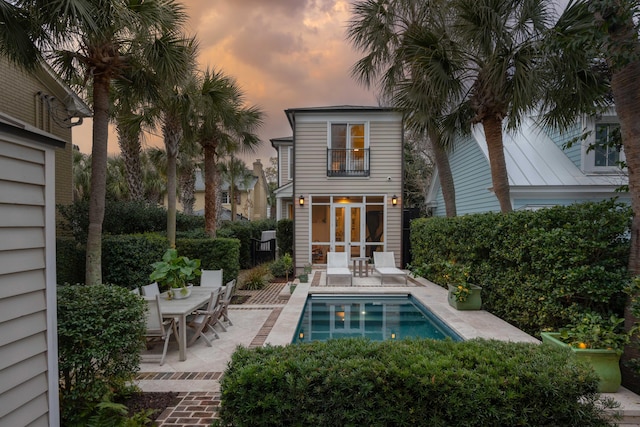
(291, 112)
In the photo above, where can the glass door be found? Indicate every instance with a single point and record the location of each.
(348, 235)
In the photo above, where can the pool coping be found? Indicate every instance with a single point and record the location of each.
(468, 324)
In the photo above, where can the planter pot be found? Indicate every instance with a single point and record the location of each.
(606, 363)
(180, 293)
(473, 302)
(292, 287)
(304, 278)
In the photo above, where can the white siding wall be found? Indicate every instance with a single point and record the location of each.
(310, 153)
(26, 310)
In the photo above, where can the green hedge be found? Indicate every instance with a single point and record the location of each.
(127, 259)
(214, 254)
(245, 231)
(537, 269)
(284, 236)
(100, 335)
(70, 261)
(409, 382)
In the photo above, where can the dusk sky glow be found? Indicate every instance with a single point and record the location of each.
(283, 53)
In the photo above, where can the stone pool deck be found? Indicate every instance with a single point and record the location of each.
(271, 316)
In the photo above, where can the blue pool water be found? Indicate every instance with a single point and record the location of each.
(377, 317)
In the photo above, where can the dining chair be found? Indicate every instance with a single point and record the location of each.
(204, 321)
(157, 327)
(150, 290)
(226, 300)
(211, 278)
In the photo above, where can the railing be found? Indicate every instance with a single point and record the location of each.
(348, 162)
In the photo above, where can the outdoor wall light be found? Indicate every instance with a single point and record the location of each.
(393, 335)
(394, 200)
(301, 200)
(301, 335)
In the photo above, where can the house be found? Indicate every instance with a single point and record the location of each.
(250, 198)
(36, 114)
(542, 171)
(340, 179)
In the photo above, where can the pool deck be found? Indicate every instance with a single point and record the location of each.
(271, 316)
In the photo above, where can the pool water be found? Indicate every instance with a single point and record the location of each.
(377, 317)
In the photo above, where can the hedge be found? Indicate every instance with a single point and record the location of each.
(410, 382)
(537, 269)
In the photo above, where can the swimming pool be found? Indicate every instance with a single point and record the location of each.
(377, 317)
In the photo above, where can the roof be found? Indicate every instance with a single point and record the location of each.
(291, 112)
(281, 140)
(21, 129)
(534, 160)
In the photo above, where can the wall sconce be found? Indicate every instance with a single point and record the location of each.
(393, 335)
(301, 335)
(301, 200)
(394, 200)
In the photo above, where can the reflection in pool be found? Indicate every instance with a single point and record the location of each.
(377, 317)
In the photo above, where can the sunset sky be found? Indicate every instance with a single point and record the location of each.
(283, 53)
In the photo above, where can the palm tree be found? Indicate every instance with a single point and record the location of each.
(225, 126)
(94, 42)
(236, 173)
(480, 55)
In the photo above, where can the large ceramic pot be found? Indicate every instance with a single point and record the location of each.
(180, 293)
(473, 301)
(605, 362)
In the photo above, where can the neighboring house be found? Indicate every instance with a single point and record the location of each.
(36, 115)
(250, 197)
(337, 177)
(542, 171)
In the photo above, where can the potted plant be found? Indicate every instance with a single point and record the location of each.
(597, 341)
(174, 273)
(463, 295)
(304, 277)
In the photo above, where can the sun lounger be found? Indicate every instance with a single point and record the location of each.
(385, 265)
(338, 266)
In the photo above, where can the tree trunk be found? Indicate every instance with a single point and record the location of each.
(444, 174)
(129, 143)
(625, 85)
(493, 134)
(172, 134)
(210, 209)
(93, 261)
(187, 190)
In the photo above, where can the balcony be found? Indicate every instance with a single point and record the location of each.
(348, 162)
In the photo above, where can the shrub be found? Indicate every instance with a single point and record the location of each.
(282, 267)
(284, 236)
(100, 334)
(245, 231)
(256, 278)
(410, 382)
(127, 259)
(538, 270)
(70, 261)
(214, 254)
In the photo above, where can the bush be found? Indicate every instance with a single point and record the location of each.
(538, 270)
(245, 231)
(282, 267)
(256, 278)
(100, 334)
(70, 261)
(284, 236)
(410, 382)
(127, 259)
(214, 254)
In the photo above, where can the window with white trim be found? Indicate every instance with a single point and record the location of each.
(290, 163)
(348, 150)
(225, 197)
(608, 145)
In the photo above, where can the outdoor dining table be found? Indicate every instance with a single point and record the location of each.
(180, 309)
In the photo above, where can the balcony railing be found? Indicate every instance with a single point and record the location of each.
(348, 162)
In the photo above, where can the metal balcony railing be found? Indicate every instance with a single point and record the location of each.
(348, 162)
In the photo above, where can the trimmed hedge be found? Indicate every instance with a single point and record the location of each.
(245, 231)
(127, 258)
(537, 269)
(410, 382)
(214, 254)
(284, 236)
(100, 335)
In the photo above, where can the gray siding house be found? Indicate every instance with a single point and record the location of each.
(341, 180)
(32, 136)
(542, 171)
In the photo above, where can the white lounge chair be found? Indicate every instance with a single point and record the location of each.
(157, 327)
(385, 265)
(338, 266)
(211, 278)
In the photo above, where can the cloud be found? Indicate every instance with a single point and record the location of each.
(283, 53)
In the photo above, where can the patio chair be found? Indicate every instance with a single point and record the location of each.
(211, 278)
(338, 266)
(150, 290)
(224, 306)
(157, 327)
(204, 320)
(385, 265)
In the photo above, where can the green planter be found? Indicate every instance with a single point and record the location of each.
(606, 363)
(304, 278)
(473, 302)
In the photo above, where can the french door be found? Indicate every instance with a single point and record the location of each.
(348, 229)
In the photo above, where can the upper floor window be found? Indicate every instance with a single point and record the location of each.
(608, 145)
(348, 152)
(225, 197)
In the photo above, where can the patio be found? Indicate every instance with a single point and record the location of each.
(270, 316)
